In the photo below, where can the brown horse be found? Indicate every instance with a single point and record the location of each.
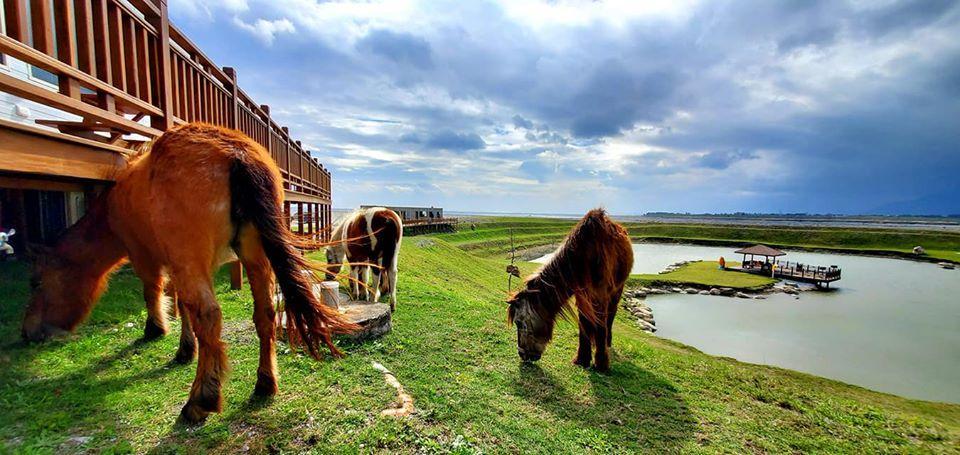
(367, 239)
(592, 266)
(200, 196)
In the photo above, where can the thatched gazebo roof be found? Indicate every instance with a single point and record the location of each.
(761, 250)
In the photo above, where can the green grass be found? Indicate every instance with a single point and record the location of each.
(492, 237)
(706, 273)
(454, 354)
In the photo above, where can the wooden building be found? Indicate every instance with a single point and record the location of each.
(84, 82)
(419, 220)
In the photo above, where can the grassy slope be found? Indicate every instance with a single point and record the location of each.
(706, 273)
(451, 350)
(492, 236)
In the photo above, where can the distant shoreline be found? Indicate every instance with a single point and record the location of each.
(924, 223)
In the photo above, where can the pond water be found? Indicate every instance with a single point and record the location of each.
(890, 325)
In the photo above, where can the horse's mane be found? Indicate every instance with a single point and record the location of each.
(568, 272)
(340, 226)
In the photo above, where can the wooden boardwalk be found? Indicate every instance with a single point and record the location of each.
(819, 275)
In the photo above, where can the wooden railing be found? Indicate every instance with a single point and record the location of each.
(129, 75)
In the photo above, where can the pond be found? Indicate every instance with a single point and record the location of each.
(890, 325)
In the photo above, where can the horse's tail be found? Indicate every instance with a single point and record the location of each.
(255, 190)
(393, 233)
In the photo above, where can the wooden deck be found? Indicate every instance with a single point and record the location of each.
(125, 74)
(416, 227)
(820, 275)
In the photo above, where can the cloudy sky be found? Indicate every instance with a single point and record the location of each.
(555, 106)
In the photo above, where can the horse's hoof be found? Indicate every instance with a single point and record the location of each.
(192, 414)
(184, 356)
(585, 363)
(266, 386)
(601, 367)
(152, 331)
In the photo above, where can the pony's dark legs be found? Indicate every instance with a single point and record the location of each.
(601, 359)
(188, 342)
(584, 350)
(152, 278)
(587, 330)
(206, 319)
(156, 325)
(612, 313)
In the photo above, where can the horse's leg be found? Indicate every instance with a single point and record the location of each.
(364, 277)
(206, 319)
(584, 350)
(156, 325)
(601, 359)
(375, 285)
(152, 279)
(188, 342)
(261, 285)
(392, 284)
(612, 313)
(354, 282)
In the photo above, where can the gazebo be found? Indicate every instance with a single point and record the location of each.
(759, 250)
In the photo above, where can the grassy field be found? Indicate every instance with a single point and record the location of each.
(706, 273)
(492, 237)
(103, 390)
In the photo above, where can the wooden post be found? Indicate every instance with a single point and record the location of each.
(299, 217)
(161, 22)
(266, 120)
(309, 218)
(236, 270)
(236, 275)
(15, 13)
(232, 111)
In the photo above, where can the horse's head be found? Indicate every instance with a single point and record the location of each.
(534, 326)
(56, 304)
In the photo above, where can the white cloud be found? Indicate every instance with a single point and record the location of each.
(266, 30)
(205, 9)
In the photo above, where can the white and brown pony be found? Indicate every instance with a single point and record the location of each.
(154, 218)
(592, 267)
(367, 239)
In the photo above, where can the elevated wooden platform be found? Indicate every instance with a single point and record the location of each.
(819, 275)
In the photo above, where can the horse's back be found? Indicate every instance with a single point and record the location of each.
(610, 245)
(174, 202)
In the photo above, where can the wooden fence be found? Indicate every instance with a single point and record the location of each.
(128, 74)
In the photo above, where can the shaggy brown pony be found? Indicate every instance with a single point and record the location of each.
(200, 196)
(591, 266)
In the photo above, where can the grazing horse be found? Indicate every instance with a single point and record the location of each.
(367, 239)
(201, 195)
(592, 266)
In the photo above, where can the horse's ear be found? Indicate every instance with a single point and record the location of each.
(12, 231)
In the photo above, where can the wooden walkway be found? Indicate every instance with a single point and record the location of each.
(819, 275)
(417, 227)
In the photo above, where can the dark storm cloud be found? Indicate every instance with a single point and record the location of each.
(722, 159)
(449, 140)
(520, 122)
(403, 48)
